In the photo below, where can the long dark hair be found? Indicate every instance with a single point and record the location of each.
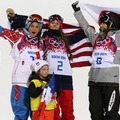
(65, 39)
(35, 75)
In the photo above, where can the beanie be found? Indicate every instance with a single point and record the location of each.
(38, 64)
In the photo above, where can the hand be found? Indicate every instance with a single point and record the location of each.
(43, 86)
(75, 7)
(55, 94)
(10, 12)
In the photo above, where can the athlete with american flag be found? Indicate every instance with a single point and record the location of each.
(62, 55)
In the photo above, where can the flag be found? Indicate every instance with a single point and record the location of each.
(95, 10)
(47, 95)
(49, 90)
(81, 48)
(80, 45)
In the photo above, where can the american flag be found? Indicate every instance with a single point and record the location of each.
(80, 45)
(81, 48)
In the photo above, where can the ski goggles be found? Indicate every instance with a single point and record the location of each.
(105, 18)
(36, 17)
(55, 17)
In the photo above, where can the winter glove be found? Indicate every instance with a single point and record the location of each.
(75, 7)
(10, 12)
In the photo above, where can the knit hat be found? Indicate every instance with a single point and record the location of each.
(38, 64)
(34, 18)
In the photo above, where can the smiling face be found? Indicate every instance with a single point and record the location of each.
(103, 31)
(44, 71)
(34, 29)
(54, 25)
(103, 26)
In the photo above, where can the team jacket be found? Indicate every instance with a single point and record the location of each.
(57, 55)
(105, 58)
(24, 51)
(36, 95)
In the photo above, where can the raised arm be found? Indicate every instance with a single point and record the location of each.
(10, 35)
(16, 21)
(88, 30)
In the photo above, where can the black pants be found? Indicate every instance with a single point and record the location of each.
(104, 102)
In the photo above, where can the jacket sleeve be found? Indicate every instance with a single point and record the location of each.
(10, 35)
(33, 91)
(88, 30)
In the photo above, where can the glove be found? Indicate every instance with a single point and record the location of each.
(75, 7)
(10, 12)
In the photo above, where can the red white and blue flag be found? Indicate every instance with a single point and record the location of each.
(48, 91)
(81, 48)
(47, 95)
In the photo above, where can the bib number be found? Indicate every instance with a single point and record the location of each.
(60, 65)
(99, 60)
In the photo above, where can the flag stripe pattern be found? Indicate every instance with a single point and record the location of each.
(81, 48)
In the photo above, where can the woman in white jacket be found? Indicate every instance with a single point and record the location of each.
(27, 45)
